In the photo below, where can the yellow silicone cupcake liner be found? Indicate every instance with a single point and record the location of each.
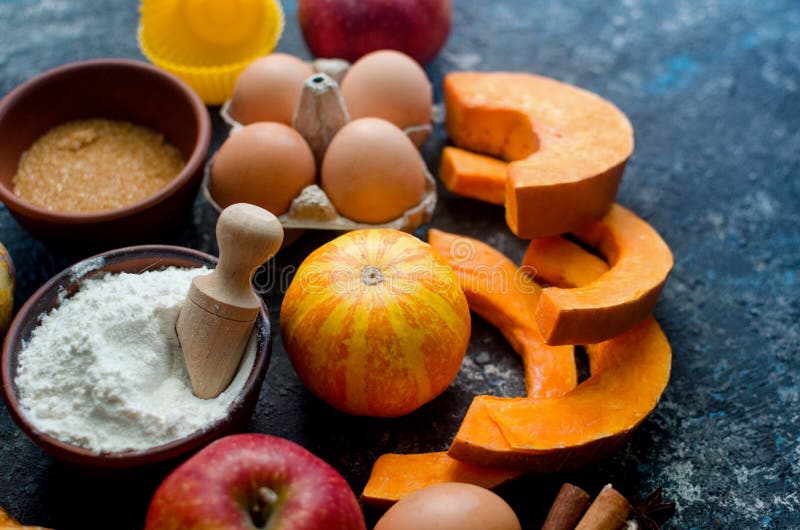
(208, 43)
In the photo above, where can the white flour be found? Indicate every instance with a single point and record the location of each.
(104, 370)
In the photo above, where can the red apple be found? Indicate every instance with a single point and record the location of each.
(250, 482)
(348, 29)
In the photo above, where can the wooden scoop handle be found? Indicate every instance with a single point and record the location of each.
(220, 310)
(247, 237)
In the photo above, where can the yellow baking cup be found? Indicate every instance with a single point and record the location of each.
(208, 43)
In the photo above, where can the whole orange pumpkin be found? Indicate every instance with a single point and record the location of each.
(375, 323)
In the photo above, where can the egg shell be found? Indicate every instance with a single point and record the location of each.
(450, 506)
(372, 172)
(268, 89)
(267, 164)
(390, 85)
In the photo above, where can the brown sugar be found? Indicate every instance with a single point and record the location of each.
(95, 165)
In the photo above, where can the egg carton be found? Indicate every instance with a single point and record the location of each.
(320, 113)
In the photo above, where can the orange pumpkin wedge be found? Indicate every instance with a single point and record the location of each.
(587, 424)
(557, 262)
(629, 372)
(395, 476)
(472, 175)
(614, 302)
(568, 146)
(554, 261)
(499, 292)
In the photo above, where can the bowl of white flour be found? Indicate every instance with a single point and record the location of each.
(93, 372)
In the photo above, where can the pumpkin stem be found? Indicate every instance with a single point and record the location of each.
(371, 275)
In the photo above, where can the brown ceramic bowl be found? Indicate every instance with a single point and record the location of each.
(105, 88)
(131, 259)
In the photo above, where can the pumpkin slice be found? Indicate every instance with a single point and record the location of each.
(499, 292)
(568, 146)
(614, 302)
(587, 424)
(631, 373)
(555, 261)
(482, 437)
(473, 175)
(395, 476)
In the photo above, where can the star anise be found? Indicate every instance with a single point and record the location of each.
(652, 512)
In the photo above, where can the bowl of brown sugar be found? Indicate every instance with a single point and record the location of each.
(102, 152)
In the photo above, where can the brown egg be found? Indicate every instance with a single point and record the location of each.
(266, 164)
(450, 506)
(371, 172)
(390, 85)
(268, 89)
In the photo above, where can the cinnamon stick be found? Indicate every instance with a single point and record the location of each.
(609, 511)
(570, 504)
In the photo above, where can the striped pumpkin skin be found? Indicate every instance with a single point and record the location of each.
(375, 323)
(6, 290)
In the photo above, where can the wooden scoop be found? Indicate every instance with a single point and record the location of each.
(221, 308)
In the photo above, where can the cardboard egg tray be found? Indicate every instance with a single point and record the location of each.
(320, 113)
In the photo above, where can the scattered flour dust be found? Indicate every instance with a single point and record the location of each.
(104, 370)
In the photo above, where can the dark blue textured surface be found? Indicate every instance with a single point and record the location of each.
(712, 89)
